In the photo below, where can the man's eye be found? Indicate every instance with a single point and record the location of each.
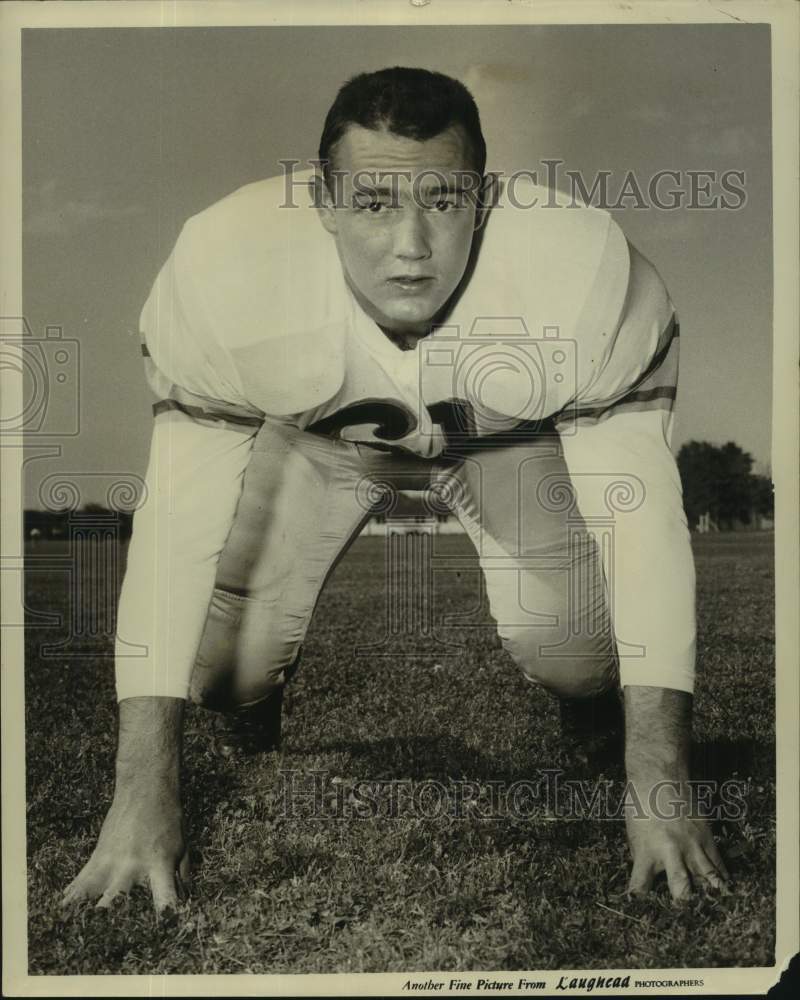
(444, 205)
(373, 205)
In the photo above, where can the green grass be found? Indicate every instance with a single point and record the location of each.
(287, 893)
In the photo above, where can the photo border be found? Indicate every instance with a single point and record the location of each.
(784, 17)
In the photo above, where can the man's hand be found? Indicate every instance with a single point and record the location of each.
(141, 841)
(682, 846)
(665, 832)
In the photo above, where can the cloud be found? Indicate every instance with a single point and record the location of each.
(48, 214)
(502, 73)
(490, 82)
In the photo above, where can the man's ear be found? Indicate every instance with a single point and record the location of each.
(322, 201)
(488, 193)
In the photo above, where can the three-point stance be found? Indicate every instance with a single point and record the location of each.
(439, 328)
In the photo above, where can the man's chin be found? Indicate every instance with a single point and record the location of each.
(410, 317)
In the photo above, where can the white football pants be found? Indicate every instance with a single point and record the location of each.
(581, 538)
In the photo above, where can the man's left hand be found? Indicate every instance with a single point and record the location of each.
(677, 843)
(666, 830)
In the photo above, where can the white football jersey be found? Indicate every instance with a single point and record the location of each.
(558, 317)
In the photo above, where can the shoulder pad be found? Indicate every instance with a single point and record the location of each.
(258, 272)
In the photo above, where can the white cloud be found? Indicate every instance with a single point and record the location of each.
(494, 82)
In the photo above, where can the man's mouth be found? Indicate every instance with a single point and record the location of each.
(411, 282)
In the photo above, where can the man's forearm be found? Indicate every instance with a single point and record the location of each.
(658, 731)
(141, 841)
(150, 741)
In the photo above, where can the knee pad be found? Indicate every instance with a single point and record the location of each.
(575, 668)
(241, 658)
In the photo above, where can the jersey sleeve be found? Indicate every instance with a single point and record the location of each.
(187, 366)
(626, 481)
(193, 483)
(246, 315)
(638, 368)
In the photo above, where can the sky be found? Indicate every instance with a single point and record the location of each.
(129, 132)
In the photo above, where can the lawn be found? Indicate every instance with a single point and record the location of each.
(292, 874)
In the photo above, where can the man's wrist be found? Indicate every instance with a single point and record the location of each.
(658, 729)
(150, 740)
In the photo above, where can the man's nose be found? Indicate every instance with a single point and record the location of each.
(410, 236)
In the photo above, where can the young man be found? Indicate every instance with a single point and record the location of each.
(438, 331)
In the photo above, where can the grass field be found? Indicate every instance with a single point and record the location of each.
(276, 892)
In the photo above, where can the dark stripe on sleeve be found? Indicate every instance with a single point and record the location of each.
(164, 405)
(644, 396)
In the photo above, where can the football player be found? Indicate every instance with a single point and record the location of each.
(397, 318)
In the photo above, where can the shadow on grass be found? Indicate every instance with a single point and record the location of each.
(720, 760)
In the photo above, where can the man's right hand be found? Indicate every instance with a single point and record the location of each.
(141, 841)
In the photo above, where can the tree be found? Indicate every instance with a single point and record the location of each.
(719, 480)
(763, 496)
(90, 507)
(122, 518)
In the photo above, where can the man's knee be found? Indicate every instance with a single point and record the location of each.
(576, 668)
(244, 654)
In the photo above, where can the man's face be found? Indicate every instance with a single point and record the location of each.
(403, 220)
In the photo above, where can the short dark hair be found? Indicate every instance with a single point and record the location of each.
(414, 103)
